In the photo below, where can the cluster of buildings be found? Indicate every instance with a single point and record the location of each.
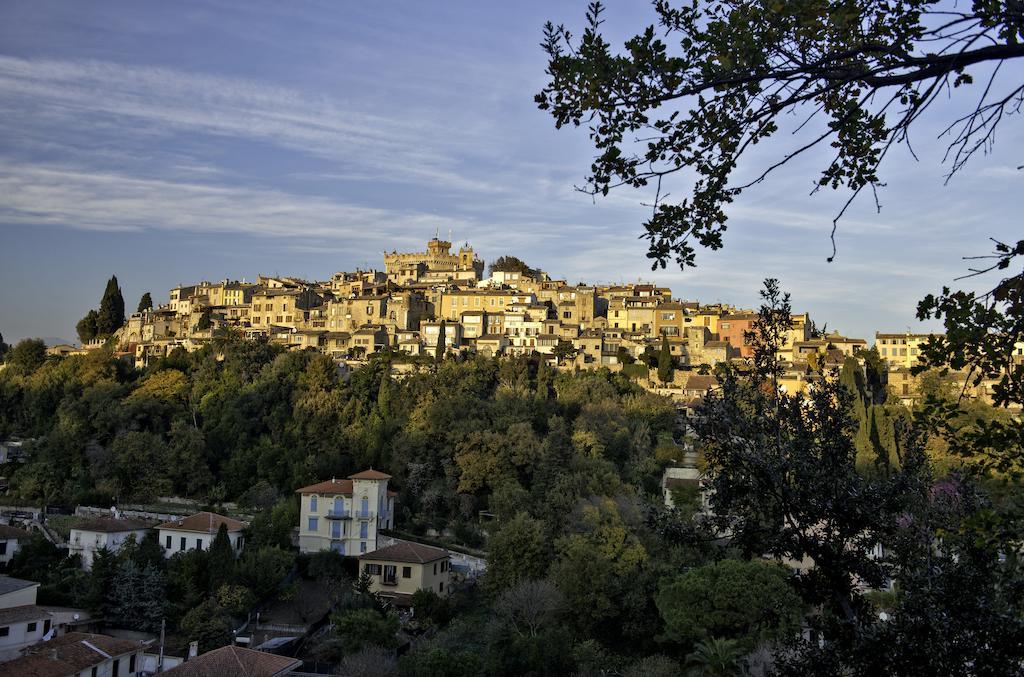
(439, 301)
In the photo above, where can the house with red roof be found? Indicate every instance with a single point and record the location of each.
(196, 532)
(345, 515)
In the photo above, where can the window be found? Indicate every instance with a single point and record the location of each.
(5, 631)
(183, 546)
(116, 667)
(314, 523)
(199, 544)
(406, 572)
(31, 627)
(435, 568)
(168, 543)
(3, 547)
(46, 626)
(372, 569)
(94, 672)
(440, 586)
(131, 663)
(312, 503)
(362, 547)
(363, 530)
(390, 574)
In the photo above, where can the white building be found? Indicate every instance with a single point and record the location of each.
(22, 623)
(198, 531)
(10, 541)
(345, 515)
(103, 532)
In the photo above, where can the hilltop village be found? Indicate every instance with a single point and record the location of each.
(441, 296)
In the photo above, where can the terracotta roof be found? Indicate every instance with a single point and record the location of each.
(332, 486)
(28, 612)
(370, 474)
(110, 525)
(235, 660)
(68, 655)
(701, 382)
(407, 551)
(205, 522)
(7, 533)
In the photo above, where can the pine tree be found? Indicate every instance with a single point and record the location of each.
(111, 314)
(665, 367)
(86, 327)
(145, 303)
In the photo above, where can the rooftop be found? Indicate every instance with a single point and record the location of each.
(8, 584)
(235, 660)
(110, 525)
(204, 522)
(68, 655)
(407, 551)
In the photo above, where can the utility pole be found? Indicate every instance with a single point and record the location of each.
(160, 659)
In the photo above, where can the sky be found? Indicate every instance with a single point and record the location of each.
(169, 143)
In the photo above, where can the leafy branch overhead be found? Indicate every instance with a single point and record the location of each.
(712, 80)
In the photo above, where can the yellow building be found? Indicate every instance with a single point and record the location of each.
(399, 570)
(454, 302)
(282, 307)
(900, 350)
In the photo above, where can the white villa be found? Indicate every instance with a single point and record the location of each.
(198, 531)
(345, 515)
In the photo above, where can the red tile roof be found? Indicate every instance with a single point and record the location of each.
(7, 533)
(332, 486)
(111, 525)
(68, 655)
(204, 522)
(370, 474)
(235, 660)
(407, 551)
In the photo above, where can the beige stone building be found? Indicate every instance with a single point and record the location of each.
(398, 571)
(438, 263)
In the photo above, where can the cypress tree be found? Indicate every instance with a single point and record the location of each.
(439, 351)
(145, 303)
(205, 320)
(665, 362)
(222, 559)
(111, 314)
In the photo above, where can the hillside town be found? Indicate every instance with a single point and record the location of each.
(442, 297)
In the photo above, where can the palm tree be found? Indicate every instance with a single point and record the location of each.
(715, 657)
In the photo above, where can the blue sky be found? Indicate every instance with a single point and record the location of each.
(173, 142)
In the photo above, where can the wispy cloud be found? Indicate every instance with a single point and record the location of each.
(79, 198)
(120, 101)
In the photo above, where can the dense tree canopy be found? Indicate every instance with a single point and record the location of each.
(711, 80)
(511, 264)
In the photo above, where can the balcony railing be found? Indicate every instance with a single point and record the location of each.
(390, 580)
(333, 514)
(363, 514)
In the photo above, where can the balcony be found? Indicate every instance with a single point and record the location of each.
(389, 580)
(363, 514)
(333, 514)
